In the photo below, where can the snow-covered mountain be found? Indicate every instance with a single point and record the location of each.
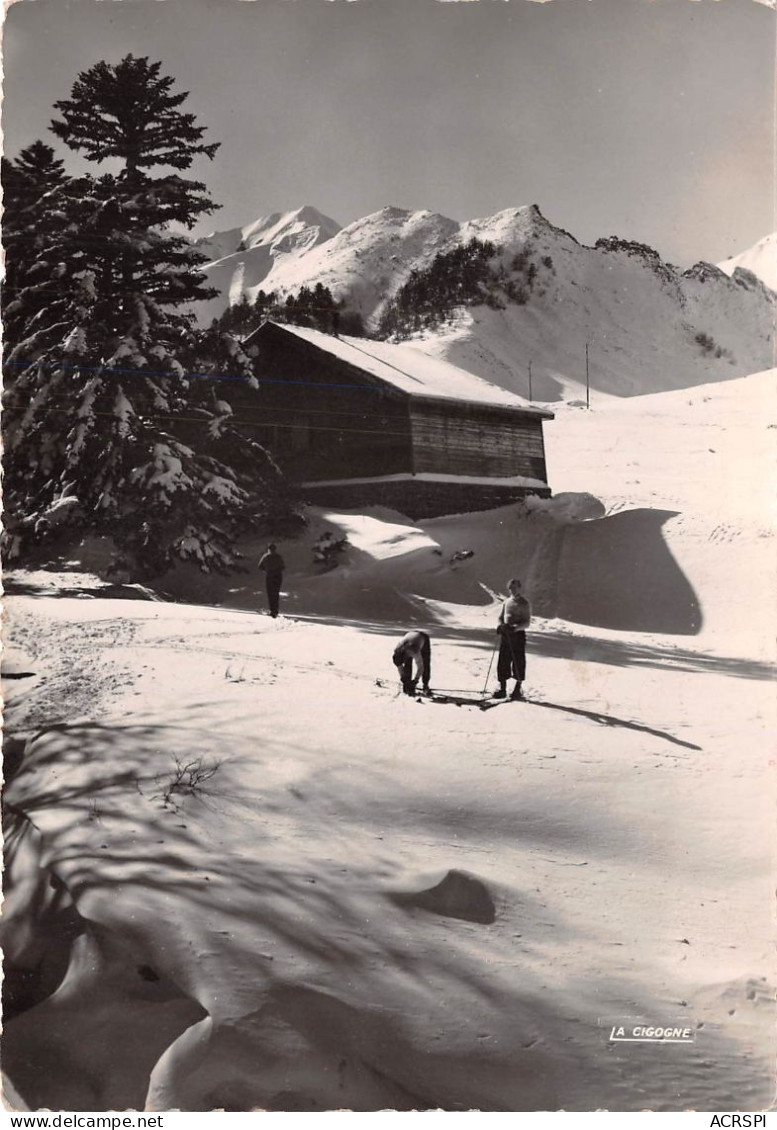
(242, 260)
(364, 262)
(649, 326)
(761, 259)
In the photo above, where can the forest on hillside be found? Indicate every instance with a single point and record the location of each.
(471, 274)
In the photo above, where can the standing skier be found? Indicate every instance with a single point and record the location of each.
(514, 619)
(415, 647)
(272, 566)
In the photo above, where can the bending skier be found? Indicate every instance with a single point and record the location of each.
(272, 566)
(414, 648)
(514, 619)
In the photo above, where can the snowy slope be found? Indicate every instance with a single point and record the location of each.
(362, 262)
(649, 326)
(375, 902)
(761, 259)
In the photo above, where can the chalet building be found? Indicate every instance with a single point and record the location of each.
(359, 422)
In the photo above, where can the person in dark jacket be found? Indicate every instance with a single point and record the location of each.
(514, 619)
(272, 566)
(414, 648)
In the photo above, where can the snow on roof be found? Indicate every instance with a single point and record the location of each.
(412, 371)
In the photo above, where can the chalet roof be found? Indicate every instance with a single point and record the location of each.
(410, 370)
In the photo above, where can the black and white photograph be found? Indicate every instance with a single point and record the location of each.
(389, 434)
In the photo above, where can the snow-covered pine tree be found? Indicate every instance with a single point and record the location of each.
(34, 172)
(103, 422)
(26, 182)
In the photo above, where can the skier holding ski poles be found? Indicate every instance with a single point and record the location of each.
(514, 619)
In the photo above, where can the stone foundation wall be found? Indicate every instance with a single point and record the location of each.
(418, 498)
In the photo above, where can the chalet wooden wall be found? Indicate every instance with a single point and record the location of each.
(326, 419)
(461, 439)
(322, 418)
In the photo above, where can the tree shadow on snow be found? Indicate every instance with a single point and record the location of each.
(628, 653)
(564, 644)
(268, 908)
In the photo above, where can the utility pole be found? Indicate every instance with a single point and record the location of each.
(587, 381)
(530, 395)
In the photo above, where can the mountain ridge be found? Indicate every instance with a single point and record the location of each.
(648, 324)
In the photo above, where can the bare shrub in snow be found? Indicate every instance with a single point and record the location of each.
(327, 549)
(188, 777)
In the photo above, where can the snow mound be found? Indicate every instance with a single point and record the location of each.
(457, 895)
(378, 538)
(569, 506)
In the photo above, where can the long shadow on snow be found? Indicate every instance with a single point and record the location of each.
(594, 715)
(627, 653)
(611, 720)
(618, 572)
(327, 928)
(561, 644)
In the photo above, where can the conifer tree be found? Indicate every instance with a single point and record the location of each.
(27, 183)
(34, 172)
(130, 112)
(102, 412)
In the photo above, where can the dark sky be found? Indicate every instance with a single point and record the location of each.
(649, 119)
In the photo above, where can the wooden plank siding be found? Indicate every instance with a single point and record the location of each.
(467, 439)
(323, 418)
(344, 430)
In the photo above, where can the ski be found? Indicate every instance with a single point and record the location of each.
(487, 703)
(459, 700)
